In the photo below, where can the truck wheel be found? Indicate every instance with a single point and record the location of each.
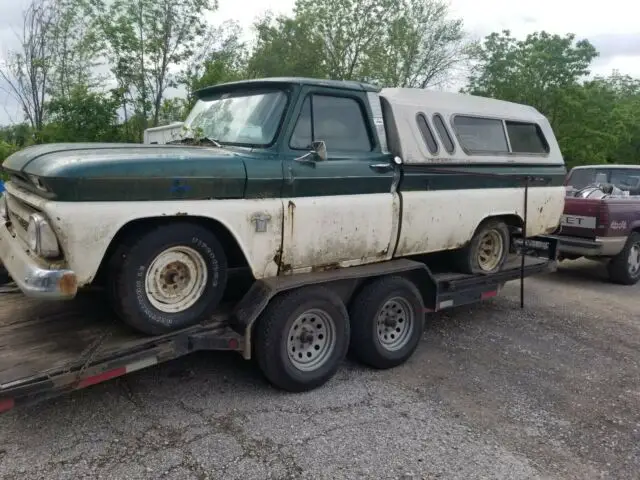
(487, 251)
(387, 320)
(4, 275)
(624, 268)
(301, 338)
(171, 277)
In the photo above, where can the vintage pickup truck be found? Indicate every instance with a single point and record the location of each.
(282, 176)
(601, 219)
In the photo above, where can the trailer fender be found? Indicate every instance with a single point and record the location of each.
(345, 281)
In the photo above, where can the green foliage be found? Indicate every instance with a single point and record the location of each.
(596, 121)
(82, 116)
(287, 47)
(408, 43)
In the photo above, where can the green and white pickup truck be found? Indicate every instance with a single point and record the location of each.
(282, 176)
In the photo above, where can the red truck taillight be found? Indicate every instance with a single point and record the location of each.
(602, 223)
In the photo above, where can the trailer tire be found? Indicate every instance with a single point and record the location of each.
(304, 361)
(624, 268)
(387, 321)
(492, 233)
(192, 262)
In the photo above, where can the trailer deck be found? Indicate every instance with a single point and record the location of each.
(49, 348)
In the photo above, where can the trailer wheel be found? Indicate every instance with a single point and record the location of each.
(387, 321)
(487, 251)
(624, 268)
(301, 338)
(171, 277)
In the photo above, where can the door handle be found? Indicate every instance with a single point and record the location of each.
(382, 167)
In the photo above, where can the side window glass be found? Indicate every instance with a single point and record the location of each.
(481, 134)
(427, 134)
(526, 138)
(340, 123)
(443, 132)
(303, 134)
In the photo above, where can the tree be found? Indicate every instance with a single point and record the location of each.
(146, 40)
(221, 57)
(57, 51)
(287, 46)
(535, 71)
(407, 43)
(351, 31)
(423, 47)
(27, 72)
(82, 116)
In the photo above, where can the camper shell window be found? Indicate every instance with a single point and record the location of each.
(526, 137)
(493, 135)
(443, 132)
(427, 134)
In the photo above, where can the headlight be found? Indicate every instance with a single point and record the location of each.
(40, 237)
(4, 212)
(37, 182)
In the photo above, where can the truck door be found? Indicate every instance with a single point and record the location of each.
(340, 211)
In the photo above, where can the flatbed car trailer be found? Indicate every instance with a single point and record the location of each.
(51, 348)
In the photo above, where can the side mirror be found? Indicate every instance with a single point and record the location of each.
(320, 149)
(318, 153)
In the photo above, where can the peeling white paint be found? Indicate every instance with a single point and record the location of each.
(85, 229)
(440, 220)
(338, 231)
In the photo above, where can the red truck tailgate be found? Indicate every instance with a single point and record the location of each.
(581, 217)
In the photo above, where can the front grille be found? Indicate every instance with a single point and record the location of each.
(19, 213)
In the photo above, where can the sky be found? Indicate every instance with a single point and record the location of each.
(612, 26)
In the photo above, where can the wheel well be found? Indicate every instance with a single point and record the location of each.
(235, 256)
(513, 221)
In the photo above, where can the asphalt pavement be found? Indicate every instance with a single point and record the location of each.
(495, 392)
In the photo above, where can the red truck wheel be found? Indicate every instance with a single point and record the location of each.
(624, 268)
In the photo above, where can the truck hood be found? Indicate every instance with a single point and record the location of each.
(99, 172)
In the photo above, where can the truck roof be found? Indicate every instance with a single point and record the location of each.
(271, 81)
(607, 165)
(459, 103)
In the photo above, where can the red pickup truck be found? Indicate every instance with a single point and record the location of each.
(601, 219)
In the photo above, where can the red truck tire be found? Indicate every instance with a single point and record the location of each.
(624, 268)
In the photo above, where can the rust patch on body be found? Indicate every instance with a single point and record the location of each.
(68, 284)
(291, 210)
(325, 268)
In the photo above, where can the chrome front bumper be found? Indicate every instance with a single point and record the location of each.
(32, 279)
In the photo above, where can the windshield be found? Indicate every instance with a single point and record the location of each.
(623, 178)
(249, 118)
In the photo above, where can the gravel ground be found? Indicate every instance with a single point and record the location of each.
(552, 391)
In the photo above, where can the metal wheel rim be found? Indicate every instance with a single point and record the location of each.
(634, 259)
(395, 324)
(176, 279)
(311, 340)
(490, 250)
